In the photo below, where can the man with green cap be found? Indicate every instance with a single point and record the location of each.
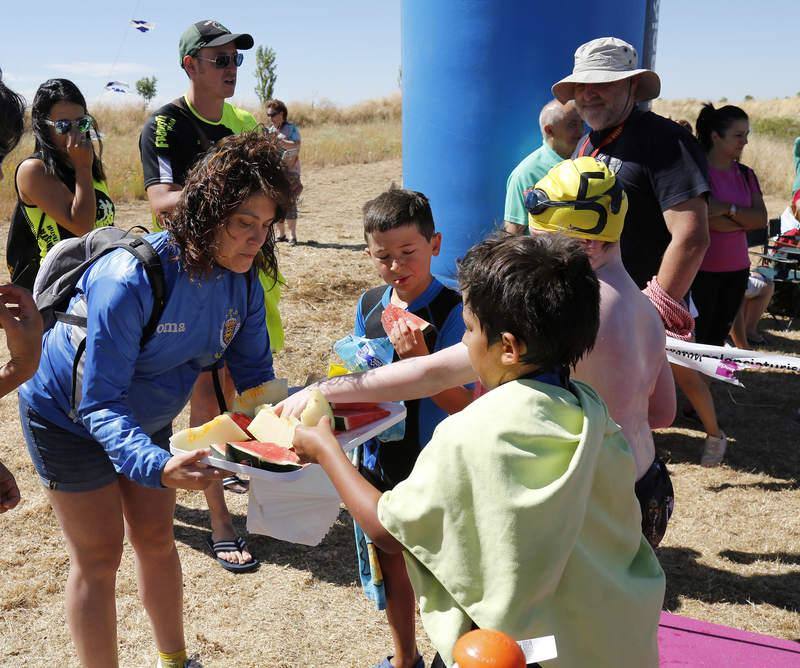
(172, 140)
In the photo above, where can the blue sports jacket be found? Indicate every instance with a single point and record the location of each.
(126, 392)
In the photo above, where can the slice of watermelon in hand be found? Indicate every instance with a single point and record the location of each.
(391, 314)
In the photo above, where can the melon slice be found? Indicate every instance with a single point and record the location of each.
(346, 420)
(316, 409)
(269, 428)
(271, 392)
(219, 430)
(266, 456)
(391, 314)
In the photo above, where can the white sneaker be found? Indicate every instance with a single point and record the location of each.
(714, 450)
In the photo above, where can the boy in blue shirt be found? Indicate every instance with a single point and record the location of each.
(401, 240)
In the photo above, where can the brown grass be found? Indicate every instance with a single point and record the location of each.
(731, 552)
(366, 132)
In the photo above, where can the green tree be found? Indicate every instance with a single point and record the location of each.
(266, 76)
(146, 87)
(748, 97)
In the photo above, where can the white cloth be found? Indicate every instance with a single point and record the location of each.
(298, 507)
(788, 221)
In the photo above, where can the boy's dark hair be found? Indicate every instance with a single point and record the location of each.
(398, 207)
(540, 288)
(12, 118)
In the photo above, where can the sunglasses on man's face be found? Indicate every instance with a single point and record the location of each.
(224, 60)
(63, 125)
(272, 114)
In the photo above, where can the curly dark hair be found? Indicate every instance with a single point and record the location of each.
(540, 288)
(232, 170)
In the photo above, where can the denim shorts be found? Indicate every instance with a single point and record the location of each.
(67, 462)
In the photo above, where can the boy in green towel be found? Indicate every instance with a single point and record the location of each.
(520, 514)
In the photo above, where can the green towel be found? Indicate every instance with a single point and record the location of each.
(520, 515)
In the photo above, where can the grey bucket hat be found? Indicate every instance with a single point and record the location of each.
(605, 60)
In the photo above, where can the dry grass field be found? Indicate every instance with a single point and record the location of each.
(731, 553)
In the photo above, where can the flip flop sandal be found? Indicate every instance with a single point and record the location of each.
(238, 544)
(235, 484)
(281, 238)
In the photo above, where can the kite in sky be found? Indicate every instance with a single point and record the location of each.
(142, 26)
(118, 87)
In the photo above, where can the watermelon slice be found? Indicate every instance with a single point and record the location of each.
(355, 406)
(242, 421)
(347, 420)
(391, 314)
(266, 456)
(220, 451)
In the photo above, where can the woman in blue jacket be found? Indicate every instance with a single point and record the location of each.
(106, 463)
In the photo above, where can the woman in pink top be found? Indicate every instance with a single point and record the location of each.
(734, 207)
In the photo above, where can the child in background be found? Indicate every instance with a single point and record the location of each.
(520, 513)
(401, 240)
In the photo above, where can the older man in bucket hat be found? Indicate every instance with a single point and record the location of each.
(665, 174)
(662, 167)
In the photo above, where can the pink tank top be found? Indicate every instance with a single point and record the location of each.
(728, 250)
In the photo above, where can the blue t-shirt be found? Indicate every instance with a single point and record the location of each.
(451, 332)
(126, 392)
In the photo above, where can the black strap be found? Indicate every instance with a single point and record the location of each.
(151, 262)
(223, 405)
(147, 255)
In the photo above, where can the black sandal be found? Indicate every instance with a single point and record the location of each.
(236, 545)
(235, 484)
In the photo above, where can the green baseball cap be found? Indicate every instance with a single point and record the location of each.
(210, 33)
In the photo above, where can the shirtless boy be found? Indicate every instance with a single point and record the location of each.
(628, 364)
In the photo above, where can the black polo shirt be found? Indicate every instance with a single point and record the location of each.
(660, 164)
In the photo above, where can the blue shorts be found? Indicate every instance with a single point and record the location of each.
(67, 462)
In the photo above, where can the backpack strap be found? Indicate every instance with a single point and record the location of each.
(146, 254)
(205, 142)
(371, 311)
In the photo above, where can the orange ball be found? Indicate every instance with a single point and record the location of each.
(484, 648)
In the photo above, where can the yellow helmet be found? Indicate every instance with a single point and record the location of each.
(580, 198)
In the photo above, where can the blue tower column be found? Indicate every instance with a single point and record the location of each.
(475, 75)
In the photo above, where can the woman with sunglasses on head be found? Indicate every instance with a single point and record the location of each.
(105, 463)
(289, 138)
(61, 188)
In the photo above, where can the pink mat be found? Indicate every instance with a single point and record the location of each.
(690, 642)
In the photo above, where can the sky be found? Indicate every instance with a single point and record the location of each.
(349, 50)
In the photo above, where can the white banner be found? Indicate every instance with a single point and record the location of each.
(722, 362)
